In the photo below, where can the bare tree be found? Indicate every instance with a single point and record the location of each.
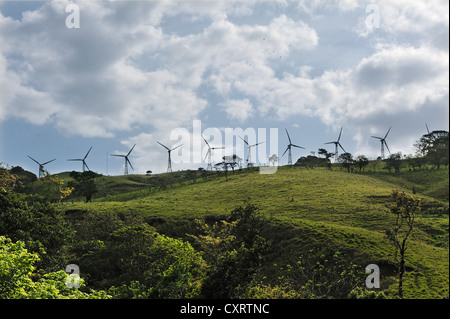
(273, 159)
(404, 209)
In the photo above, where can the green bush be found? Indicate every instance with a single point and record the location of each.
(360, 293)
(139, 262)
(18, 279)
(39, 225)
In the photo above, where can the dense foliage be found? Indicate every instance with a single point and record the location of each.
(124, 252)
(19, 280)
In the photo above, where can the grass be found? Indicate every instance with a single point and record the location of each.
(309, 208)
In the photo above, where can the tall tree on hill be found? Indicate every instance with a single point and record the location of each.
(273, 159)
(434, 147)
(394, 161)
(84, 184)
(346, 159)
(404, 208)
(362, 161)
(323, 152)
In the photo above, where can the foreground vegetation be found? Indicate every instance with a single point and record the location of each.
(298, 233)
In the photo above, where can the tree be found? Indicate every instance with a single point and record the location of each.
(228, 162)
(164, 267)
(24, 178)
(39, 225)
(18, 279)
(404, 208)
(434, 147)
(8, 180)
(52, 189)
(311, 161)
(84, 184)
(346, 159)
(46, 189)
(362, 161)
(273, 159)
(234, 250)
(394, 161)
(321, 273)
(323, 152)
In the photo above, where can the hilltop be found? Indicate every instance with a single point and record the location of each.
(308, 209)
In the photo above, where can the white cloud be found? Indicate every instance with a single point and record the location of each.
(126, 70)
(424, 18)
(86, 80)
(398, 79)
(414, 16)
(239, 110)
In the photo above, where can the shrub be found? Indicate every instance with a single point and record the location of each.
(17, 274)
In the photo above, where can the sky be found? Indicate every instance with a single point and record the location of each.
(113, 74)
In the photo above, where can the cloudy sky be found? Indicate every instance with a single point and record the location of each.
(137, 72)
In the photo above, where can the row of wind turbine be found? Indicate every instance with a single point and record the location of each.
(210, 149)
(85, 167)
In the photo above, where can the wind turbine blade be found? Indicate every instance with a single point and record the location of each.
(163, 146)
(218, 148)
(75, 159)
(258, 143)
(34, 160)
(87, 153)
(131, 149)
(297, 146)
(126, 158)
(427, 128)
(48, 162)
(288, 136)
(176, 147)
(330, 143)
(285, 151)
(385, 144)
(243, 140)
(342, 147)
(377, 137)
(207, 153)
(205, 141)
(118, 155)
(86, 165)
(339, 135)
(387, 133)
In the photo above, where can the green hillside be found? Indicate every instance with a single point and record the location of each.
(309, 209)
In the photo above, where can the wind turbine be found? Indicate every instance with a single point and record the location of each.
(337, 143)
(41, 166)
(208, 154)
(82, 160)
(289, 149)
(169, 165)
(249, 148)
(383, 143)
(127, 161)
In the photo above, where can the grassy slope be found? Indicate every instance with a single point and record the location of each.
(311, 208)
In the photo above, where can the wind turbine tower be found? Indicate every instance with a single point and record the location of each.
(127, 160)
(289, 148)
(82, 160)
(208, 154)
(41, 165)
(249, 148)
(337, 144)
(169, 163)
(383, 143)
